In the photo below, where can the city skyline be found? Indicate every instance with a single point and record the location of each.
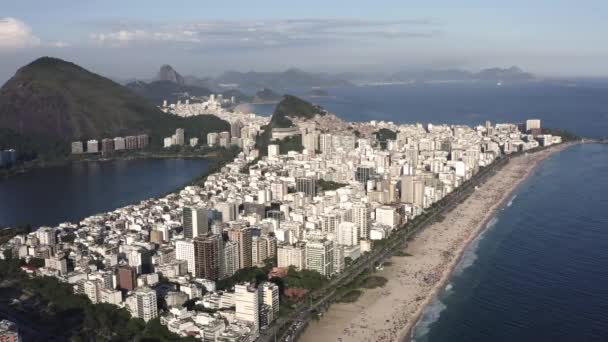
(203, 39)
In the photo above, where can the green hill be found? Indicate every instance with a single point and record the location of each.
(50, 102)
(290, 106)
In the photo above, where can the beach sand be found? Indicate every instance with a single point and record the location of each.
(389, 313)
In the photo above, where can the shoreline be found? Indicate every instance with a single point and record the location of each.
(7, 174)
(437, 252)
(406, 335)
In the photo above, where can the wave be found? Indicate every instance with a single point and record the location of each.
(511, 200)
(429, 316)
(469, 256)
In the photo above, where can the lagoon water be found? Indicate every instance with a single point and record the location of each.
(71, 192)
(538, 273)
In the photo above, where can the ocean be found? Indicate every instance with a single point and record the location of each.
(538, 272)
(582, 108)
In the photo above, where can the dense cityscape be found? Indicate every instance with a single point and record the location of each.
(185, 258)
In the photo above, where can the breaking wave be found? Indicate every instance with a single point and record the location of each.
(429, 316)
(511, 200)
(470, 253)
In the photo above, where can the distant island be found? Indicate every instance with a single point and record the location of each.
(266, 95)
(319, 93)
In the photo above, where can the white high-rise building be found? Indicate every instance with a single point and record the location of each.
(179, 137)
(46, 236)
(326, 143)
(147, 307)
(259, 250)
(270, 296)
(278, 190)
(247, 300)
(273, 151)
(184, 250)
(310, 141)
(347, 234)
(212, 138)
(289, 255)
(532, 124)
(388, 216)
(91, 290)
(361, 218)
(231, 258)
(228, 210)
(320, 256)
(92, 146)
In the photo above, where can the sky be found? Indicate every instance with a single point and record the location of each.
(132, 38)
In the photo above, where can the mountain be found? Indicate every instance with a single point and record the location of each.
(291, 78)
(167, 73)
(266, 95)
(289, 107)
(50, 102)
(492, 74)
(158, 91)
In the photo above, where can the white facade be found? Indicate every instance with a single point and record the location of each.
(246, 300)
(184, 250)
(147, 307)
(288, 255)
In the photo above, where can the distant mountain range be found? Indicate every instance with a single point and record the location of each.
(50, 102)
(171, 86)
(291, 78)
(493, 74)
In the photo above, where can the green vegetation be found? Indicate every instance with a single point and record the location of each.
(294, 107)
(290, 106)
(8, 233)
(329, 185)
(304, 279)
(350, 296)
(251, 274)
(566, 135)
(372, 282)
(401, 254)
(383, 135)
(59, 313)
(351, 292)
(292, 143)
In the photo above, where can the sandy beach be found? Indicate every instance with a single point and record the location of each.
(389, 313)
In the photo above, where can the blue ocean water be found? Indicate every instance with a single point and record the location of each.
(71, 192)
(582, 109)
(539, 272)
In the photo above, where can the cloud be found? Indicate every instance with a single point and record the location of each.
(272, 33)
(15, 34)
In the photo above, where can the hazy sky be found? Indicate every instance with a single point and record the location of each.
(130, 38)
